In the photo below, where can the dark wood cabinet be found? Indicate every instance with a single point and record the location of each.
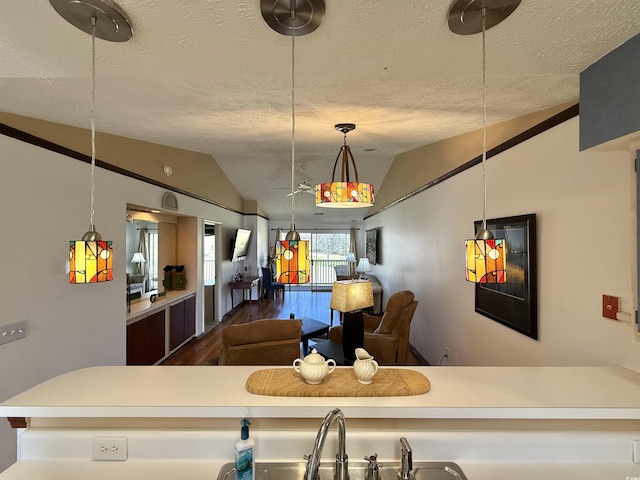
(176, 329)
(146, 340)
(146, 337)
(156, 337)
(189, 317)
(182, 322)
(138, 342)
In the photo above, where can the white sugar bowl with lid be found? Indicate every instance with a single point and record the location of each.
(314, 367)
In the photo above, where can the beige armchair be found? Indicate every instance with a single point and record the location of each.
(263, 342)
(387, 338)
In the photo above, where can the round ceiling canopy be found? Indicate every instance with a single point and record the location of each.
(309, 14)
(112, 22)
(345, 127)
(465, 16)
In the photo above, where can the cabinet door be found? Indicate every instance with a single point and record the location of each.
(138, 343)
(189, 317)
(176, 325)
(156, 337)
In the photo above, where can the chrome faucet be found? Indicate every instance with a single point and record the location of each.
(407, 462)
(342, 461)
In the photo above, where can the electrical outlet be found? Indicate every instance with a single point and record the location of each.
(109, 448)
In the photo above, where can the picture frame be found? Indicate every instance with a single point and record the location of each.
(513, 303)
(371, 245)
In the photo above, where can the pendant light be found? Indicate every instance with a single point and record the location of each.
(91, 259)
(345, 193)
(485, 255)
(292, 253)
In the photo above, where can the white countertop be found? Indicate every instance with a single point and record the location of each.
(214, 391)
(142, 307)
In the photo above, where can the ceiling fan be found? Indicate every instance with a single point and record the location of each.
(303, 187)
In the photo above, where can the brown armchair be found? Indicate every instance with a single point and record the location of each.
(263, 342)
(387, 338)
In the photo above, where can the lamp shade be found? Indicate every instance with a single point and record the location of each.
(486, 260)
(344, 194)
(292, 261)
(90, 261)
(137, 258)
(351, 258)
(351, 295)
(363, 266)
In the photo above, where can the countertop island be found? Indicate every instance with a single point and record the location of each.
(495, 422)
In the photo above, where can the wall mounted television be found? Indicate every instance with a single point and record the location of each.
(240, 245)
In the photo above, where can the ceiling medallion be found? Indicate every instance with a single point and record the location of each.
(465, 16)
(308, 16)
(111, 22)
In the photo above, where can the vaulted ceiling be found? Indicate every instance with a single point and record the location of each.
(212, 76)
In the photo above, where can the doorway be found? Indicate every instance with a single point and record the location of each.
(209, 273)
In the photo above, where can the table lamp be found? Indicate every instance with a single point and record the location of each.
(363, 268)
(138, 259)
(349, 297)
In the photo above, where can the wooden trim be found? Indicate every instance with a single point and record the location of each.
(547, 124)
(54, 147)
(18, 422)
(419, 357)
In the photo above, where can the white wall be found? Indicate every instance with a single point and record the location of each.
(585, 206)
(44, 203)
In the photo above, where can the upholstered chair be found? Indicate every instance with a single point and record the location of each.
(263, 342)
(387, 338)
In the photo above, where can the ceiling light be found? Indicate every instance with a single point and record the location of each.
(293, 18)
(345, 193)
(91, 259)
(485, 255)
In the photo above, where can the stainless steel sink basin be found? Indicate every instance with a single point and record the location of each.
(357, 471)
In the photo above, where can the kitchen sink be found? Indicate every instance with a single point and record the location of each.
(357, 471)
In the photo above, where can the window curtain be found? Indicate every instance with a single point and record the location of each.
(272, 253)
(143, 248)
(352, 243)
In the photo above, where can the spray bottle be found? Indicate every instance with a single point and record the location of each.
(245, 453)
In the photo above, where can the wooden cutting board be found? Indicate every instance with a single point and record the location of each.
(342, 382)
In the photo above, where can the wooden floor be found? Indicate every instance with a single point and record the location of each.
(207, 348)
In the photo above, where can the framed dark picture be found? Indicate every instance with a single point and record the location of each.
(513, 303)
(372, 246)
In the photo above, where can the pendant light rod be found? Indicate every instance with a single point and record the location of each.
(292, 234)
(484, 118)
(93, 115)
(293, 110)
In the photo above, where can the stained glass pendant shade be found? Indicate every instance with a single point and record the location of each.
(91, 259)
(292, 262)
(346, 193)
(486, 260)
(485, 256)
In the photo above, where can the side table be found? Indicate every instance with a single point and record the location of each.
(247, 283)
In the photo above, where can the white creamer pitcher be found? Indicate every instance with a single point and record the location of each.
(365, 367)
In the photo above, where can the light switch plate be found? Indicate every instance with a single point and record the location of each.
(13, 331)
(636, 451)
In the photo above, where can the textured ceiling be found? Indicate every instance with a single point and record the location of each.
(211, 76)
